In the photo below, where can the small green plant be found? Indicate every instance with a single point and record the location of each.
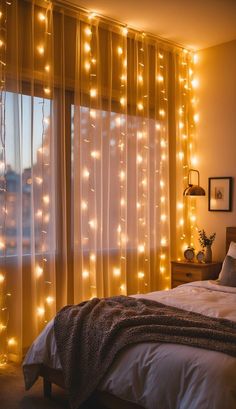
(204, 240)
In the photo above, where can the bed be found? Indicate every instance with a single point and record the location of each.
(157, 375)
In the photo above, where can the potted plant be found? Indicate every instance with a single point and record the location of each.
(206, 243)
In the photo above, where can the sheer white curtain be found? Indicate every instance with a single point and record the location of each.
(120, 163)
(86, 111)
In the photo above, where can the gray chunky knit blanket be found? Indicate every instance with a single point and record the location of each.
(90, 335)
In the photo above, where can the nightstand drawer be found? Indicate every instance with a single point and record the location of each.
(187, 276)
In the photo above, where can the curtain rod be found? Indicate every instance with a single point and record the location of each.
(70, 6)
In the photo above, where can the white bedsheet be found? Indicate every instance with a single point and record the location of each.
(163, 376)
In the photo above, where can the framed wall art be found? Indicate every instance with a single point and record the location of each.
(220, 194)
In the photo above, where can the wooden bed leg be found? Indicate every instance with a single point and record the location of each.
(47, 388)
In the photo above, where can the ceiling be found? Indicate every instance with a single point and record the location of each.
(192, 23)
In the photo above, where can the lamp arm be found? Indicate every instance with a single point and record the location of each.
(189, 176)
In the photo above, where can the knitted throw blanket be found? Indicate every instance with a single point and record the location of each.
(89, 336)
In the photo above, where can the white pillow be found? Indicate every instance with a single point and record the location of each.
(232, 250)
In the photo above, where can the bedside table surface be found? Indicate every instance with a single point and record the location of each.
(196, 264)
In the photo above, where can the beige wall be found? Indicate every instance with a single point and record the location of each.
(217, 134)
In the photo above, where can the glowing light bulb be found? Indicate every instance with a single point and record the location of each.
(162, 183)
(161, 56)
(88, 31)
(40, 49)
(84, 205)
(162, 112)
(2, 244)
(122, 201)
(49, 300)
(181, 222)
(38, 271)
(123, 101)
(139, 159)
(194, 160)
(40, 311)
(116, 272)
(138, 205)
(92, 113)
(195, 58)
(92, 257)
(196, 118)
(41, 17)
(93, 224)
(158, 127)
(163, 217)
(163, 143)
(11, 341)
(180, 205)
(140, 78)
(2, 278)
(1, 43)
(122, 175)
(163, 199)
(46, 199)
(163, 241)
(125, 31)
(91, 16)
(85, 274)
(181, 125)
(181, 155)
(86, 173)
(162, 269)
(140, 106)
(195, 83)
(141, 274)
(47, 68)
(93, 93)
(120, 50)
(160, 78)
(47, 90)
(39, 213)
(141, 248)
(87, 47)
(139, 135)
(87, 65)
(162, 256)
(122, 287)
(95, 154)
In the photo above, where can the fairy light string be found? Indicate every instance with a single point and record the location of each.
(186, 149)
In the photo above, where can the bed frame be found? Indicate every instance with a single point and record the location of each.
(103, 399)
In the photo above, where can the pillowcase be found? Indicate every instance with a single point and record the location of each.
(228, 272)
(232, 250)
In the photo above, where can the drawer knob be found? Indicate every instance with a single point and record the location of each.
(189, 275)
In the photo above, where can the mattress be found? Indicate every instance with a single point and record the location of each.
(163, 376)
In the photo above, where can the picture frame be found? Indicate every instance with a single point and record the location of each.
(220, 194)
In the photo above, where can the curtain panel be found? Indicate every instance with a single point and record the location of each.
(91, 114)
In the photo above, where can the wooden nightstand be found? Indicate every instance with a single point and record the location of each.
(183, 272)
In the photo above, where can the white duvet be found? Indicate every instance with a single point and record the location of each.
(163, 376)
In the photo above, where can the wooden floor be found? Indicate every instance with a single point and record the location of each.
(14, 396)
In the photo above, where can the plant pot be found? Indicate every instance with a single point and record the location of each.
(208, 254)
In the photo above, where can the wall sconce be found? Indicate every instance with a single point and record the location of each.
(194, 190)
